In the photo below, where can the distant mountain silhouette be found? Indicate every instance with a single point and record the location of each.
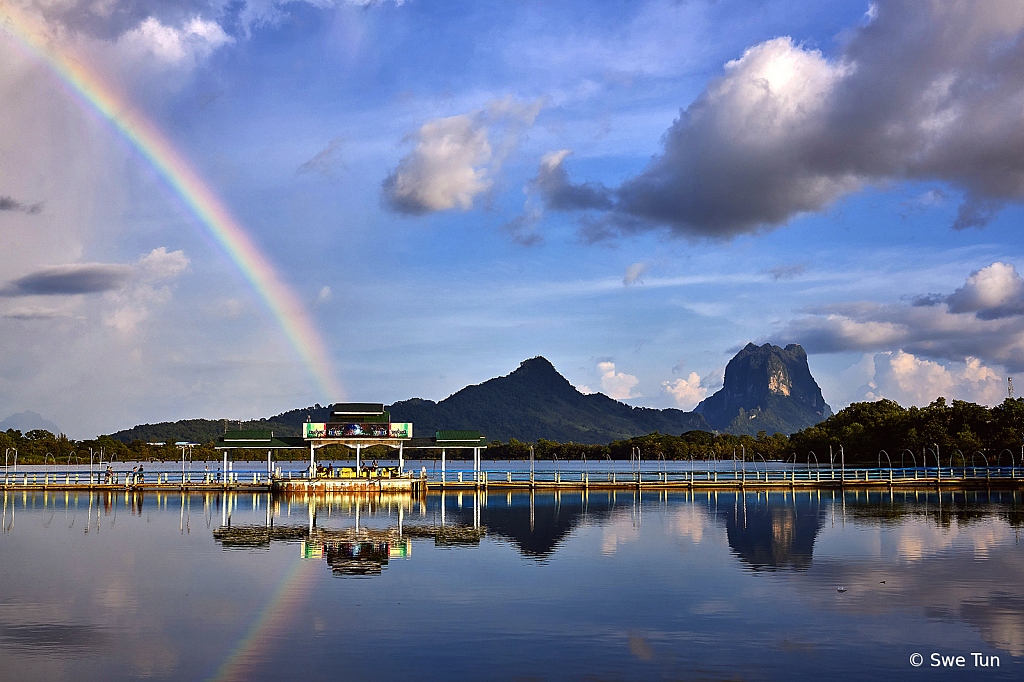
(533, 402)
(29, 421)
(767, 388)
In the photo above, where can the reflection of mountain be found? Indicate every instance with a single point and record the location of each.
(767, 535)
(537, 524)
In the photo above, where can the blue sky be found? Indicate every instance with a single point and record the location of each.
(633, 190)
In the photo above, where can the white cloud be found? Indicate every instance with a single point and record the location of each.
(992, 292)
(787, 130)
(635, 273)
(192, 42)
(324, 296)
(616, 385)
(909, 380)
(455, 158)
(686, 392)
(159, 264)
(131, 306)
(983, 319)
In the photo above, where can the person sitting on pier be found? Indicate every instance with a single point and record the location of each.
(141, 476)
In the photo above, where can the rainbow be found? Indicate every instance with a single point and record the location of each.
(187, 184)
(266, 630)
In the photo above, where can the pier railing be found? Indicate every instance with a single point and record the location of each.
(667, 475)
(883, 476)
(66, 478)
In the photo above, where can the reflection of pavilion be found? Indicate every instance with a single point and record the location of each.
(772, 532)
(357, 550)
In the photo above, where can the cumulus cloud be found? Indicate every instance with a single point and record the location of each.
(193, 41)
(635, 272)
(10, 204)
(909, 380)
(455, 159)
(130, 306)
(616, 385)
(787, 130)
(983, 319)
(159, 264)
(991, 293)
(686, 392)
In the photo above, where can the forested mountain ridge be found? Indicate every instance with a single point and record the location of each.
(532, 402)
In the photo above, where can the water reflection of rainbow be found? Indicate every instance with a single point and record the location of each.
(262, 637)
(183, 180)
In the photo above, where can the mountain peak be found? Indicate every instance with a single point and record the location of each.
(29, 421)
(536, 401)
(767, 388)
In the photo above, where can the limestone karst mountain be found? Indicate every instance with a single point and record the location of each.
(767, 388)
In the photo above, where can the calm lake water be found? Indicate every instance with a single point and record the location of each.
(512, 587)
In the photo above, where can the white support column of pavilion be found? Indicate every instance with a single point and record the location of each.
(359, 448)
(442, 464)
(312, 462)
(401, 459)
(476, 465)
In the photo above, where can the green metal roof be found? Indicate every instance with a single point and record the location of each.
(229, 442)
(247, 435)
(466, 438)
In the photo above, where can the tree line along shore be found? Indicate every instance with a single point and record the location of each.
(869, 433)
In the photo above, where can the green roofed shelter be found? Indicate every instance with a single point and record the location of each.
(257, 440)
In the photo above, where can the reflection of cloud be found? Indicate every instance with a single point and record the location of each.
(954, 564)
(1000, 617)
(619, 530)
(639, 647)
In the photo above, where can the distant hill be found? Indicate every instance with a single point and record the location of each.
(199, 430)
(533, 402)
(29, 421)
(767, 388)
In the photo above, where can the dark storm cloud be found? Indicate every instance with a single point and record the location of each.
(552, 184)
(63, 280)
(10, 204)
(923, 91)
